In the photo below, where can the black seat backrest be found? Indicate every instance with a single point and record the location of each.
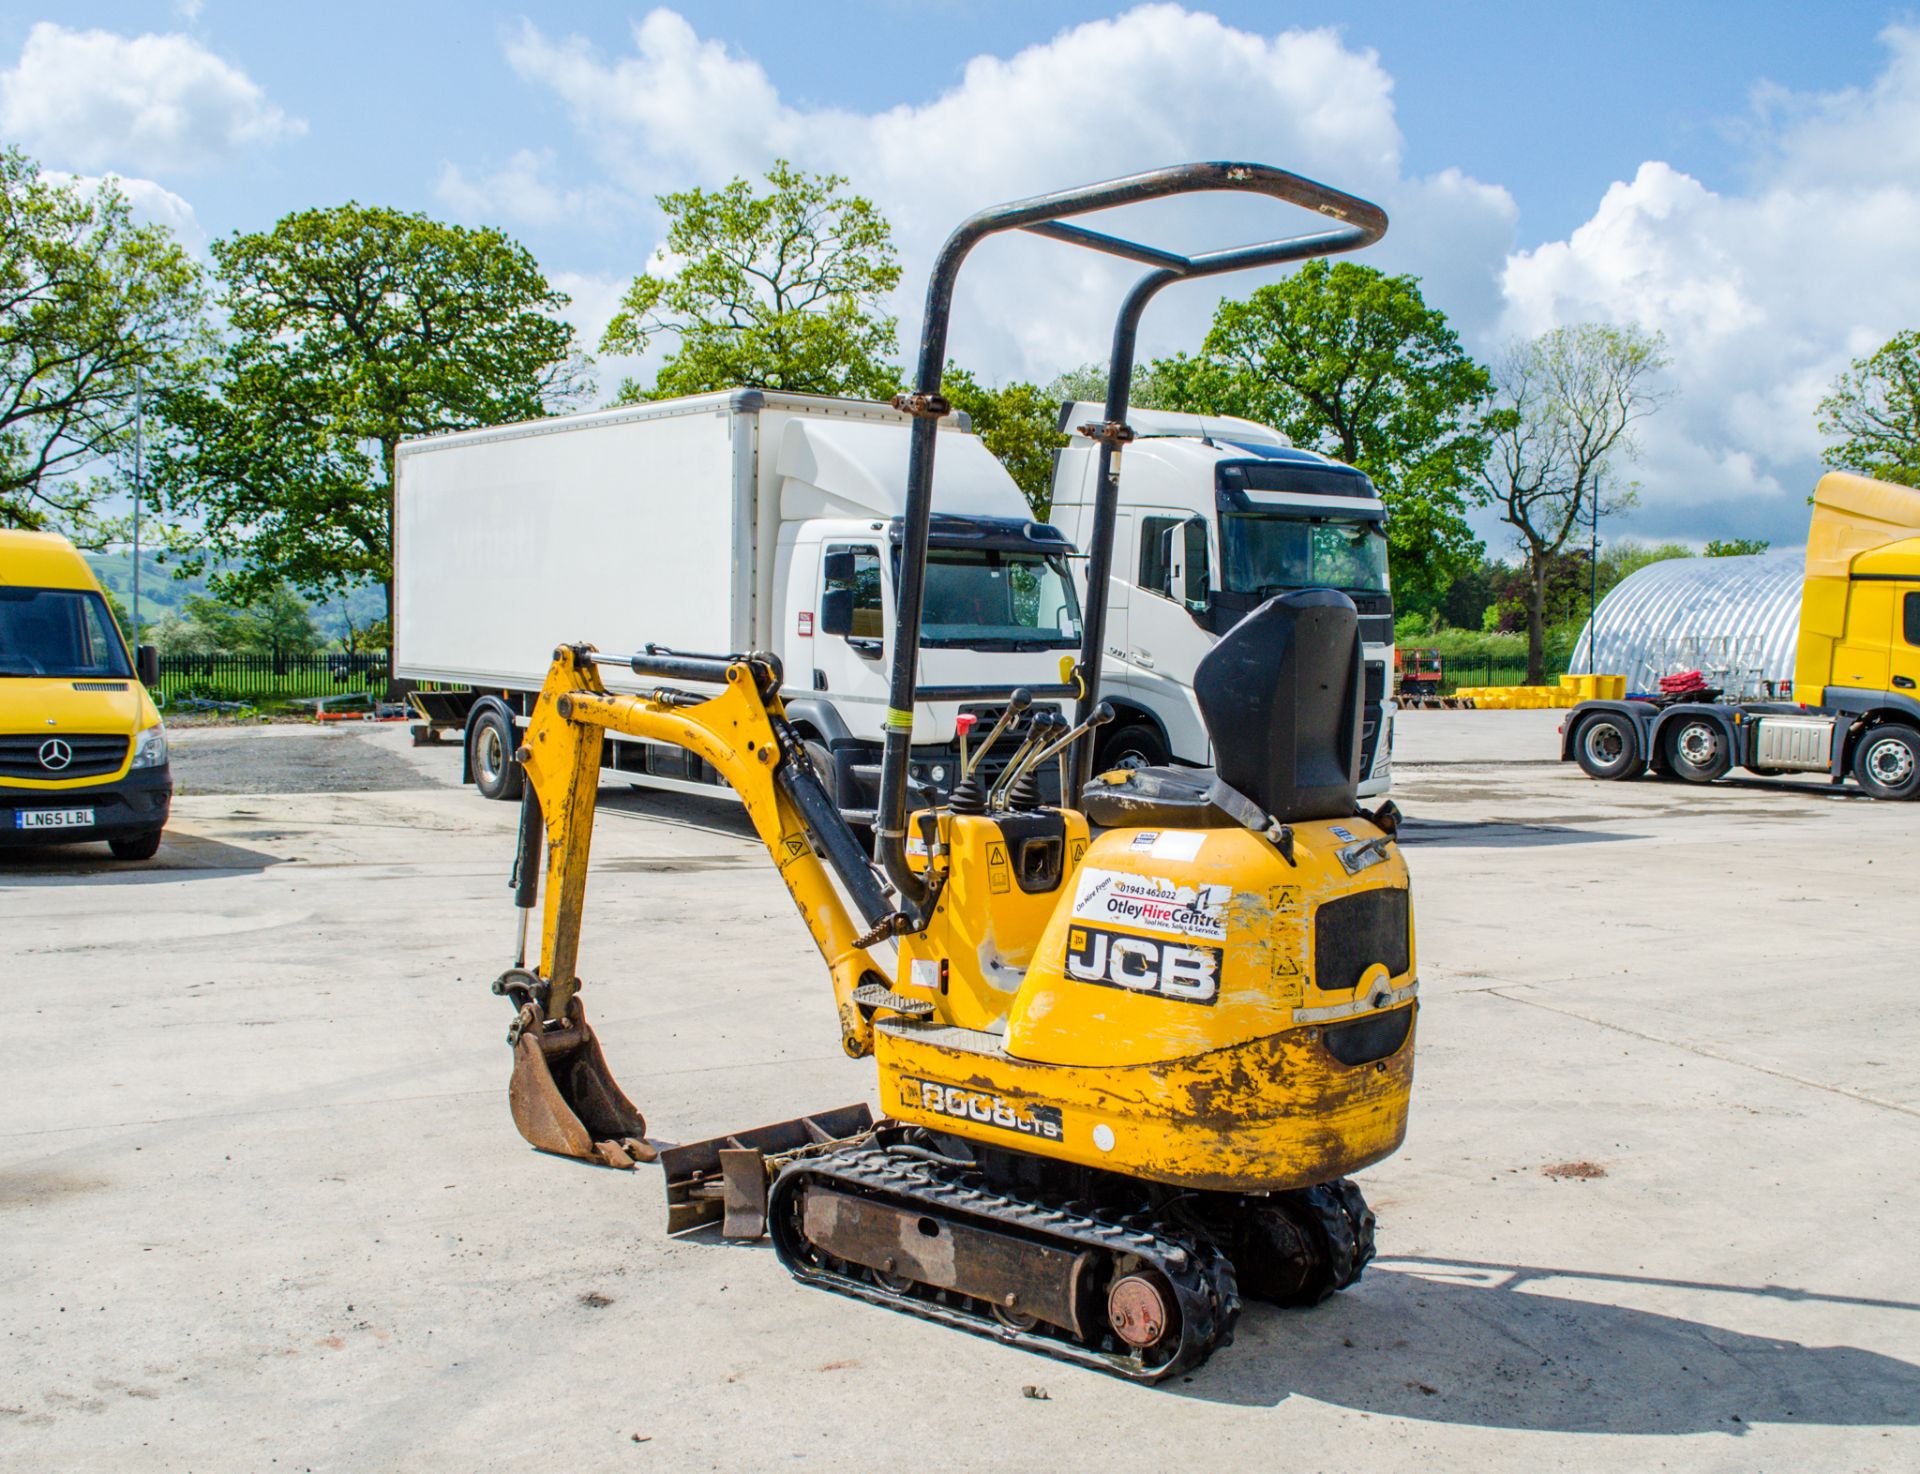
(1280, 693)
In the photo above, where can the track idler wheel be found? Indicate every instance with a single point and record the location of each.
(1296, 1248)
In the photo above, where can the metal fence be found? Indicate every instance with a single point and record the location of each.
(261, 677)
(1493, 670)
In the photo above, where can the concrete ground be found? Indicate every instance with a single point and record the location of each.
(261, 1205)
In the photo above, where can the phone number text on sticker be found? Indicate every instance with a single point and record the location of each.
(1152, 903)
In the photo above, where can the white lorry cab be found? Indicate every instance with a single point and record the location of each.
(1215, 516)
(722, 523)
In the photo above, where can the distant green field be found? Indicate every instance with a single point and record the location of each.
(161, 593)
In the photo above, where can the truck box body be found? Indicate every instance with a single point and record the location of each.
(702, 525)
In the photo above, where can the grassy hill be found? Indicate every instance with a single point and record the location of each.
(161, 593)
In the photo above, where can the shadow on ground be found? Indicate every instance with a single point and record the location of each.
(1472, 1344)
(183, 856)
(1500, 834)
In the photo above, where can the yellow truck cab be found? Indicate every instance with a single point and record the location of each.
(83, 753)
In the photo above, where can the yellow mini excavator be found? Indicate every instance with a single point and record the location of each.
(1129, 1046)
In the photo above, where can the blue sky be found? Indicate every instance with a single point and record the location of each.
(1683, 166)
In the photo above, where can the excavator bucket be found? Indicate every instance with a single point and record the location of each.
(724, 1180)
(564, 1098)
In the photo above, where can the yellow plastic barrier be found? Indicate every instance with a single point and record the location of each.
(1571, 691)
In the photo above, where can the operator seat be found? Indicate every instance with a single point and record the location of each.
(1280, 696)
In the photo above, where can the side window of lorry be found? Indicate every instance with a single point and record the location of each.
(868, 616)
(1910, 618)
(1156, 575)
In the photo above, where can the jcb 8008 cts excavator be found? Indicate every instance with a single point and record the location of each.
(1129, 1047)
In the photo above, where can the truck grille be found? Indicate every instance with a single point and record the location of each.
(88, 755)
(1354, 932)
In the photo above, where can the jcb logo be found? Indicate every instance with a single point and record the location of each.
(1143, 964)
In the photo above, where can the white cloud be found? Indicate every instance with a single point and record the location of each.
(94, 99)
(1168, 85)
(521, 192)
(152, 204)
(1764, 295)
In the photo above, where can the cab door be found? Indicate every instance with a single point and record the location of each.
(850, 645)
(1904, 659)
(1165, 639)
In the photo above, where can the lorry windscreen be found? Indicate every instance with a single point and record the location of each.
(1267, 554)
(991, 599)
(58, 632)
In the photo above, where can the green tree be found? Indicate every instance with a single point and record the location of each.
(278, 623)
(1568, 403)
(1351, 362)
(91, 305)
(1150, 387)
(1017, 423)
(781, 289)
(1872, 414)
(1736, 547)
(352, 328)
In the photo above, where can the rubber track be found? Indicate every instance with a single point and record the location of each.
(1201, 1276)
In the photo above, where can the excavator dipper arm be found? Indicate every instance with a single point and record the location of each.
(563, 1096)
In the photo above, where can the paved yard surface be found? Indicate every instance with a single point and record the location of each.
(261, 1205)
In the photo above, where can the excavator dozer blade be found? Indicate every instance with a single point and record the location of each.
(565, 1100)
(724, 1180)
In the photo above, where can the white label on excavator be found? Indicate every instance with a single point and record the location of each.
(1153, 904)
(1179, 844)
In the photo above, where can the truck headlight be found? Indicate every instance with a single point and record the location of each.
(150, 747)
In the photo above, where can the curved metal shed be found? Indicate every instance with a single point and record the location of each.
(1737, 620)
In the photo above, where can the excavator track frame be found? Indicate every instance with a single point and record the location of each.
(1193, 1271)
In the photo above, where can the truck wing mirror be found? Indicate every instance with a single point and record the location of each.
(837, 567)
(836, 605)
(1197, 588)
(146, 666)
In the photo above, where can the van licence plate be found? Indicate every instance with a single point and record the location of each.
(53, 818)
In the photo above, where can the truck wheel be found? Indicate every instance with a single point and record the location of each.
(1887, 762)
(1697, 750)
(1606, 747)
(490, 745)
(138, 847)
(1137, 746)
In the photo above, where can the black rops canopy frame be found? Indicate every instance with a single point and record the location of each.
(1363, 224)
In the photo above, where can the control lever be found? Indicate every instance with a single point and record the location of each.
(1021, 699)
(1098, 717)
(1043, 722)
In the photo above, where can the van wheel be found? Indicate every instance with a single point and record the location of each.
(1697, 750)
(1887, 762)
(1606, 747)
(1137, 746)
(490, 744)
(140, 847)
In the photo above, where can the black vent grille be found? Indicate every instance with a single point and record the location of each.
(93, 755)
(1354, 932)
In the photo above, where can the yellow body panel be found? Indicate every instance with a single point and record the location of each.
(49, 705)
(1170, 1026)
(986, 925)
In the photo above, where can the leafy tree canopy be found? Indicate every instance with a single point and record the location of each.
(278, 622)
(91, 306)
(1017, 423)
(1351, 362)
(352, 328)
(782, 288)
(1736, 547)
(1872, 415)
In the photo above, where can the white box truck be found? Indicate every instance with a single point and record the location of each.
(717, 524)
(1215, 516)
